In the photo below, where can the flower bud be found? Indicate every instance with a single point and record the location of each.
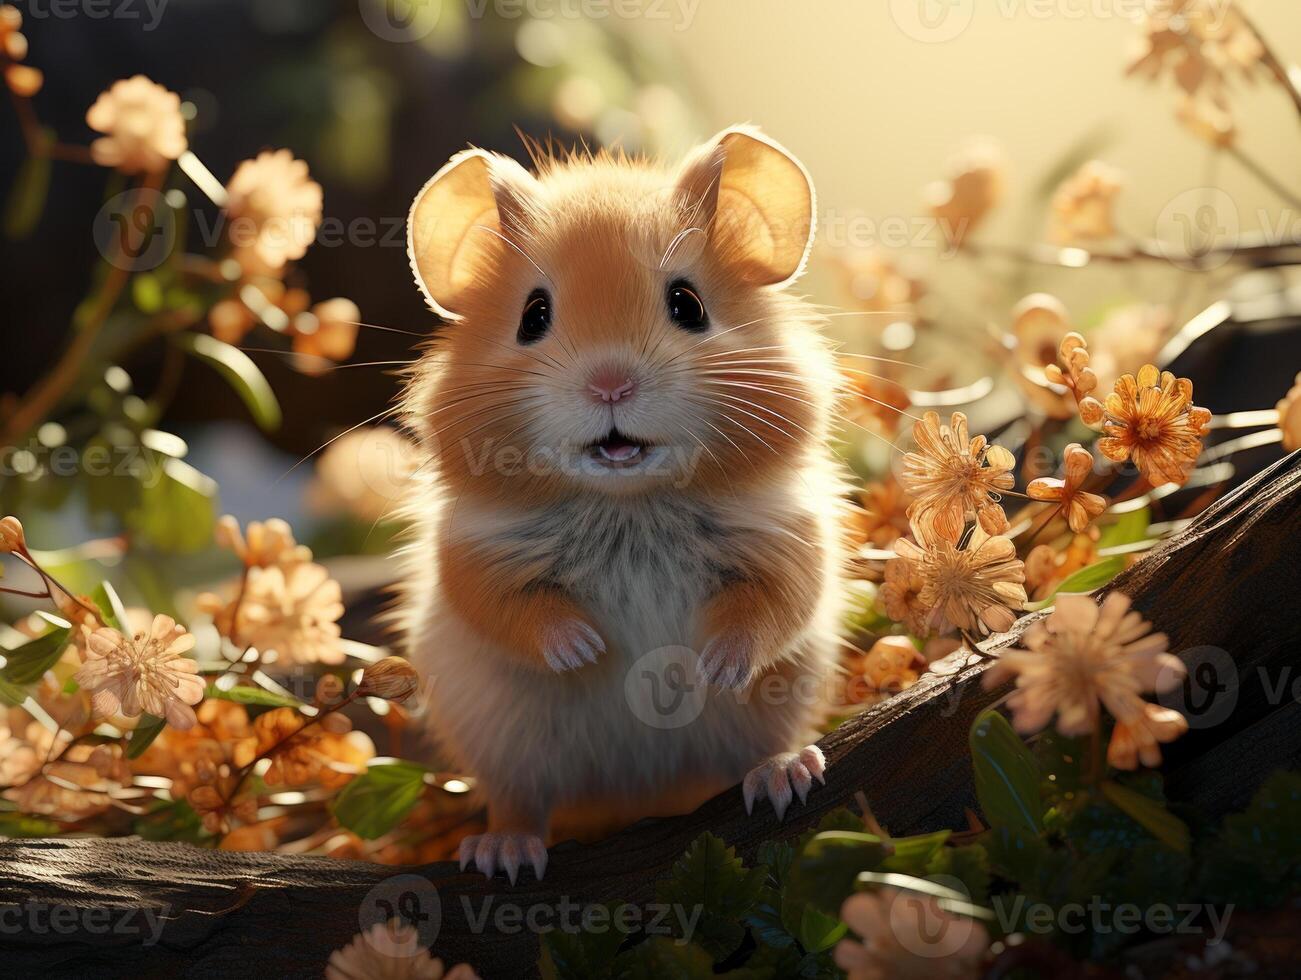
(392, 679)
(1091, 412)
(11, 535)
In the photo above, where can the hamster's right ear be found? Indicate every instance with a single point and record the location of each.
(457, 218)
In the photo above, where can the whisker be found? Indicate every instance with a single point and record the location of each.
(374, 418)
(376, 326)
(495, 232)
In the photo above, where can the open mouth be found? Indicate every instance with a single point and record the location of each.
(618, 451)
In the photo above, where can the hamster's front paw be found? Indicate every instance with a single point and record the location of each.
(488, 852)
(783, 776)
(728, 659)
(569, 644)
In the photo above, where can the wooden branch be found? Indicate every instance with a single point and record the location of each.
(1229, 582)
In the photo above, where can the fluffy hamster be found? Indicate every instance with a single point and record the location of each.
(624, 580)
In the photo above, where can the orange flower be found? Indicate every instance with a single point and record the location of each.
(875, 282)
(274, 208)
(1152, 420)
(144, 673)
(882, 517)
(974, 187)
(872, 402)
(1079, 506)
(1083, 204)
(1289, 417)
(328, 333)
(975, 588)
(900, 595)
(891, 665)
(953, 478)
(143, 125)
(1137, 740)
(1083, 658)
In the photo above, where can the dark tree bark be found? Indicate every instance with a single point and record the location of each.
(1225, 590)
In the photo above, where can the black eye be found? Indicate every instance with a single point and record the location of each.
(685, 307)
(535, 320)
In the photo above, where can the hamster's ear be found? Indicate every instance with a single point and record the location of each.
(759, 200)
(456, 219)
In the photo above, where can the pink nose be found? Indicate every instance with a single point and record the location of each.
(611, 386)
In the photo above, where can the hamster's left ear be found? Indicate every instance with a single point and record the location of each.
(756, 201)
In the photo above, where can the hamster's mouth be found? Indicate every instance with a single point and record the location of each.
(617, 451)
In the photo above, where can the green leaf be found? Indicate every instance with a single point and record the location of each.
(27, 197)
(1007, 776)
(1151, 814)
(1128, 527)
(110, 606)
(147, 292)
(243, 694)
(145, 732)
(911, 855)
(587, 954)
(240, 373)
(177, 510)
(824, 873)
(22, 825)
(1016, 854)
(173, 820)
(661, 958)
(28, 663)
(710, 877)
(376, 801)
(1087, 579)
(11, 694)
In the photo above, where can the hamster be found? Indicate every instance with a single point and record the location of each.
(624, 579)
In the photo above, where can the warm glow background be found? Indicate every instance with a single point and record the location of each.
(875, 113)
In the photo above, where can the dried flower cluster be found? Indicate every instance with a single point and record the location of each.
(953, 478)
(1085, 658)
(1079, 506)
(903, 934)
(391, 951)
(1204, 44)
(1083, 206)
(973, 189)
(286, 604)
(23, 80)
(142, 124)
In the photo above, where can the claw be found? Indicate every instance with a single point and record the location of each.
(506, 851)
(783, 778)
(571, 645)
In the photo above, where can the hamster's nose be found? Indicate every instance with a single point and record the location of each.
(611, 385)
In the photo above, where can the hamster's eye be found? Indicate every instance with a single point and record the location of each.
(536, 318)
(685, 307)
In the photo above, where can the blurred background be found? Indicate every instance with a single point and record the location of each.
(880, 101)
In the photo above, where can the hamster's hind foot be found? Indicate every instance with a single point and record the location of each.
(783, 777)
(507, 851)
